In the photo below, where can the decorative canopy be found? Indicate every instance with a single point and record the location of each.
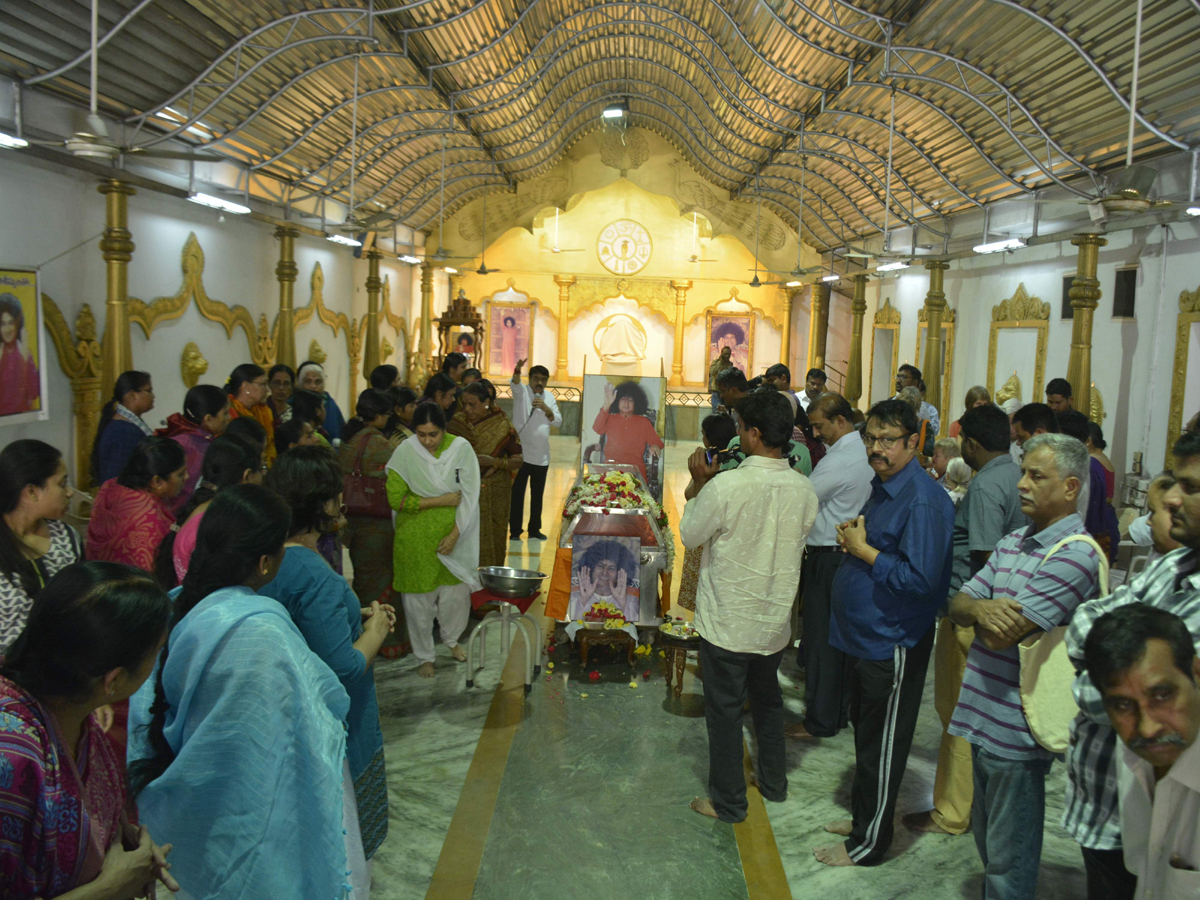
(990, 98)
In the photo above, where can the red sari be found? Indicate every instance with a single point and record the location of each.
(127, 525)
(60, 814)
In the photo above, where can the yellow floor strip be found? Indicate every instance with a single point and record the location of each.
(761, 865)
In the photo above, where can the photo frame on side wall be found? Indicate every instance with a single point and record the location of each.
(885, 352)
(1185, 375)
(735, 330)
(1017, 343)
(22, 348)
(509, 337)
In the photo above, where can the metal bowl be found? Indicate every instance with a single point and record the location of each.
(513, 583)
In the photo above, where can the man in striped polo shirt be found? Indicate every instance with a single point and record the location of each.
(1171, 582)
(1021, 590)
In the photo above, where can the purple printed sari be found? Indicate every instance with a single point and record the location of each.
(57, 817)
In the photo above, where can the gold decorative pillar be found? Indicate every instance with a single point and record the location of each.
(286, 272)
(785, 346)
(935, 306)
(1085, 297)
(818, 328)
(421, 364)
(117, 247)
(374, 285)
(564, 283)
(858, 309)
(681, 289)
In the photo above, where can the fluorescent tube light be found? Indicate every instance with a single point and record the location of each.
(342, 239)
(997, 246)
(411, 260)
(219, 203)
(1193, 210)
(831, 278)
(615, 111)
(450, 270)
(12, 142)
(891, 267)
(794, 284)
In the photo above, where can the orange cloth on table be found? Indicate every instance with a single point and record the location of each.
(628, 437)
(263, 416)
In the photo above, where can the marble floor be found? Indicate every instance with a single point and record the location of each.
(580, 789)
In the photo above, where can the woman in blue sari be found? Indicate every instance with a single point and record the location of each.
(237, 745)
(338, 628)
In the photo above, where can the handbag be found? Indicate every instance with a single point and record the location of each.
(365, 497)
(1047, 672)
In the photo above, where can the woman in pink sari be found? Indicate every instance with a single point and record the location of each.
(132, 513)
(205, 415)
(92, 638)
(18, 373)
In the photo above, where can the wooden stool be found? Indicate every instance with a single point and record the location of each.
(677, 649)
(610, 637)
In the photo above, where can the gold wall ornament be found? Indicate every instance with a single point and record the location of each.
(148, 315)
(80, 359)
(624, 247)
(1010, 390)
(317, 353)
(192, 364)
(386, 349)
(1020, 307)
(1189, 316)
(887, 314)
(1020, 311)
(592, 291)
(1097, 413)
(887, 318)
(389, 314)
(355, 339)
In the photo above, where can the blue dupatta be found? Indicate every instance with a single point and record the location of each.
(253, 799)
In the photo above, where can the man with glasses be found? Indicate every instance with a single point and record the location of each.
(886, 596)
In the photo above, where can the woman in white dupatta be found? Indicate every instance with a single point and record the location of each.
(433, 485)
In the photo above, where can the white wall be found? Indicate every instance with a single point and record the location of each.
(1132, 360)
(52, 210)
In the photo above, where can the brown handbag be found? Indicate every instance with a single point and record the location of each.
(365, 497)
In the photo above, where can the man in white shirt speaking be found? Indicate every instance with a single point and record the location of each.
(752, 523)
(1144, 663)
(534, 409)
(842, 480)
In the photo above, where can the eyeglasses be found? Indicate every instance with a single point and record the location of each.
(887, 443)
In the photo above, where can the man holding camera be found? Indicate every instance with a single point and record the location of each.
(752, 523)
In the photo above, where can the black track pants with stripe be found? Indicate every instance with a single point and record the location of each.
(885, 701)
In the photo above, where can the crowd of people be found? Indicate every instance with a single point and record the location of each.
(187, 696)
(989, 552)
(197, 666)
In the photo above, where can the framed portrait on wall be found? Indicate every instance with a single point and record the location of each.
(22, 348)
(510, 336)
(732, 330)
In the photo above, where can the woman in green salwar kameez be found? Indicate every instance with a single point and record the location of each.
(433, 484)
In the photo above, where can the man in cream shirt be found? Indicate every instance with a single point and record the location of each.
(1144, 663)
(752, 523)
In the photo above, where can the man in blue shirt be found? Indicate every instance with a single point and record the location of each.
(885, 599)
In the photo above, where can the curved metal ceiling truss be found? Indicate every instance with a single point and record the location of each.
(716, 81)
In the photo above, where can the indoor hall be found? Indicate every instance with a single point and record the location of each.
(306, 309)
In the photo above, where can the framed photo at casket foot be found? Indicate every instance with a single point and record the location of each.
(605, 579)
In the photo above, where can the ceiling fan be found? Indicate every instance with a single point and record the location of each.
(483, 269)
(91, 139)
(799, 271)
(756, 282)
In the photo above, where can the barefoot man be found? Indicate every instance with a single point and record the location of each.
(885, 599)
(752, 523)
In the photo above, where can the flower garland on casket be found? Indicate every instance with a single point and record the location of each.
(620, 490)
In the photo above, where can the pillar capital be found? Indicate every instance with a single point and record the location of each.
(564, 281)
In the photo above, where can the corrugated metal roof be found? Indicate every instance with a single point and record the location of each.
(992, 98)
